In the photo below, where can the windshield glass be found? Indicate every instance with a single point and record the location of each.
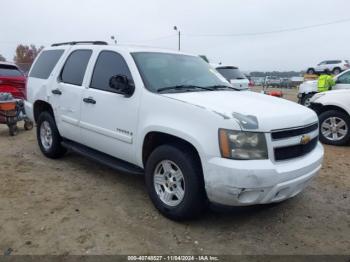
(231, 73)
(9, 70)
(161, 71)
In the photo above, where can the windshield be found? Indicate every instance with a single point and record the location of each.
(168, 72)
(231, 73)
(9, 70)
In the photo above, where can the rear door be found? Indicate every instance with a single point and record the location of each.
(321, 66)
(109, 120)
(343, 81)
(66, 93)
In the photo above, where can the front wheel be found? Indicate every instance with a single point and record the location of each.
(48, 137)
(334, 128)
(305, 99)
(174, 182)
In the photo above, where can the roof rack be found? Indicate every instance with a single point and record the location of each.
(81, 42)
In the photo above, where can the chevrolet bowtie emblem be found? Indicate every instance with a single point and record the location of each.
(305, 139)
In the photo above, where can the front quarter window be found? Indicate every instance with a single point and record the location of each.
(165, 70)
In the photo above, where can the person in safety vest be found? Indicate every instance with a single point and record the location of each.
(325, 82)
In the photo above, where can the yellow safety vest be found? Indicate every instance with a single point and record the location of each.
(325, 83)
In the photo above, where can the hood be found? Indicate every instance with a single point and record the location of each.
(253, 111)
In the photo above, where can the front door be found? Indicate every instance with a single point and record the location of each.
(66, 93)
(109, 120)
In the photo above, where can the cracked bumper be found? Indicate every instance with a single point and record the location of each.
(242, 183)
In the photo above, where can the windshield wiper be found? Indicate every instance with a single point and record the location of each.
(215, 87)
(182, 87)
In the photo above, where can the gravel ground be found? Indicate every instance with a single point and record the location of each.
(75, 206)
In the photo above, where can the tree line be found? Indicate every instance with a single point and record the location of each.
(24, 56)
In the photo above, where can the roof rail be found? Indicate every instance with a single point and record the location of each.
(81, 42)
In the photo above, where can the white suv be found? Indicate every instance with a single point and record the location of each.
(334, 66)
(232, 74)
(172, 117)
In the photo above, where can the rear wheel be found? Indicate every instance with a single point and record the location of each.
(13, 130)
(48, 137)
(311, 71)
(174, 182)
(336, 71)
(334, 128)
(305, 99)
(28, 125)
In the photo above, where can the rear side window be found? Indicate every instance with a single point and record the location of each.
(108, 64)
(230, 73)
(45, 63)
(74, 69)
(334, 62)
(9, 70)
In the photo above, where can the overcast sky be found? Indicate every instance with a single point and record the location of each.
(150, 22)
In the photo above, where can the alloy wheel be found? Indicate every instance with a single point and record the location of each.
(169, 183)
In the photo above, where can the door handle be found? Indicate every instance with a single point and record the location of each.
(56, 92)
(89, 100)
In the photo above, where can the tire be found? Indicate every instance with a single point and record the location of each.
(13, 130)
(28, 125)
(343, 122)
(336, 71)
(181, 159)
(305, 99)
(50, 140)
(311, 71)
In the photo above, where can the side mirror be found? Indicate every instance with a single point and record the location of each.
(122, 85)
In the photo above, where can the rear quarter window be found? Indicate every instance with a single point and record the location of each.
(9, 70)
(45, 63)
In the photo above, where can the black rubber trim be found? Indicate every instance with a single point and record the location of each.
(107, 160)
(293, 132)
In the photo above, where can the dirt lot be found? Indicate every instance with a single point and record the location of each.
(75, 206)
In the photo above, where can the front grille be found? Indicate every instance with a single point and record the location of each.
(293, 132)
(288, 152)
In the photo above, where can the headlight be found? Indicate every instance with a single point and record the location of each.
(242, 145)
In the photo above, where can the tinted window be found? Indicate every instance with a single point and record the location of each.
(45, 63)
(231, 73)
(9, 70)
(107, 65)
(333, 62)
(74, 69)
(344, 79)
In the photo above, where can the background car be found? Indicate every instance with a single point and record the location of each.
(309, 88)
(12, 80)
(334, 66)
(234, 76)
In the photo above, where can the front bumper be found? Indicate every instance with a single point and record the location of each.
(243, 183)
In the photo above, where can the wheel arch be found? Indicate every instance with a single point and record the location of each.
(324, 108)
(153, 139)
(41, 106)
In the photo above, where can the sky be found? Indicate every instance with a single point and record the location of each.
(202, 24)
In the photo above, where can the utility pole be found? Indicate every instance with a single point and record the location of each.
(179, 36)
